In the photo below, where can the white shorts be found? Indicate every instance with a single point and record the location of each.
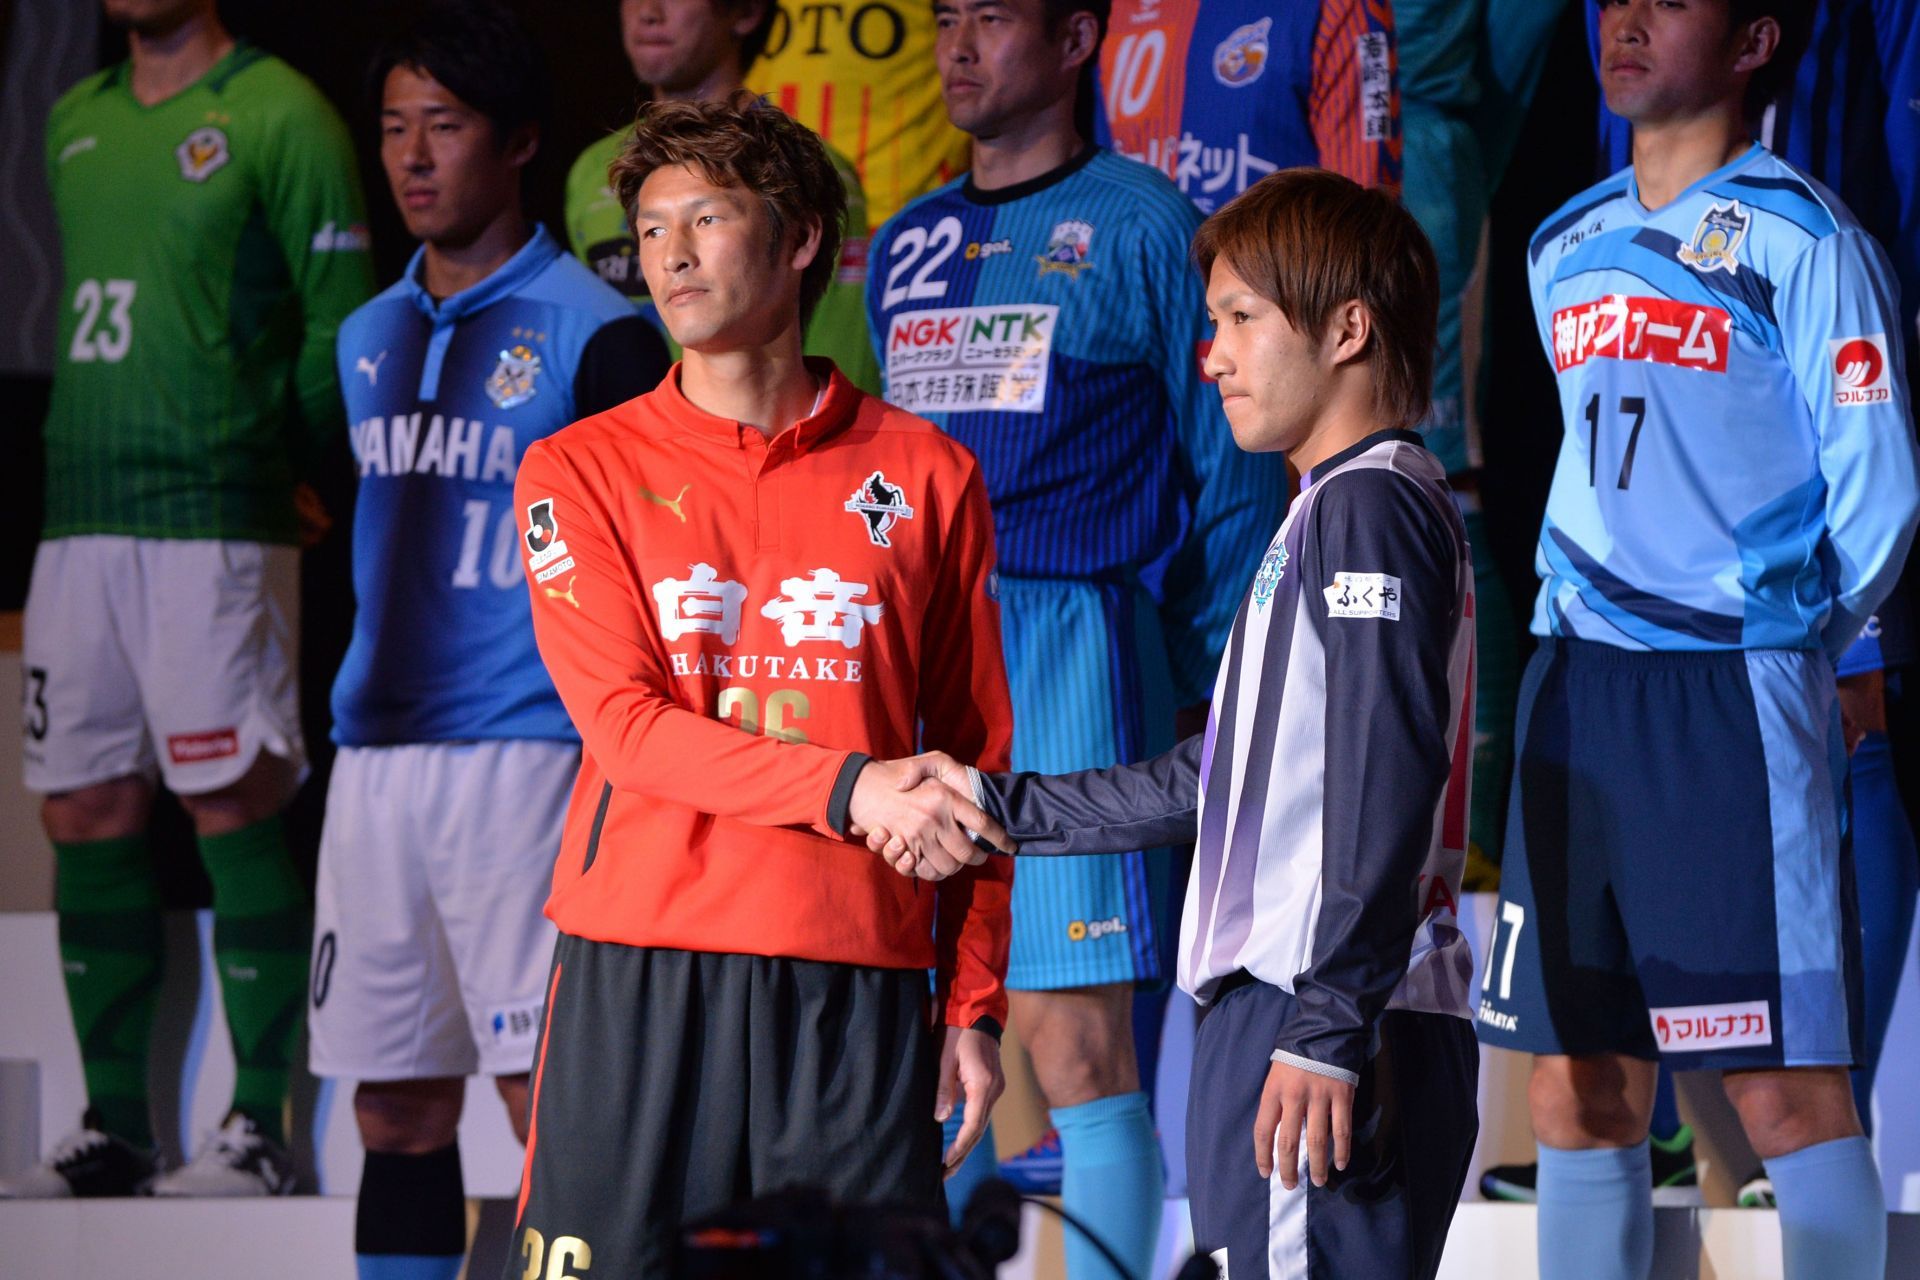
(148, 656)
(431, 946)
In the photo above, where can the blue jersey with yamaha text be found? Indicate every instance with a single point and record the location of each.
(1738, 469)
(1056, 328)
(443, 397)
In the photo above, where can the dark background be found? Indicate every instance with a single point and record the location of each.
(595, 93)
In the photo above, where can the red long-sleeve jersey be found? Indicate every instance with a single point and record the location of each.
(734, 623)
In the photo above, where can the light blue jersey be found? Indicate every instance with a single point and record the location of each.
(443, 397)
(1739, 469)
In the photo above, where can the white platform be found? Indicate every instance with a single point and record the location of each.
(311, 1238)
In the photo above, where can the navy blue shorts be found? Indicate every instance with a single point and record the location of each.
(1677, 884)
(1387, 1213)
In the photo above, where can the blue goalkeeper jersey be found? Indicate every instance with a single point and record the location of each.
(443, 397)
(1056, 328)
(1738, 469)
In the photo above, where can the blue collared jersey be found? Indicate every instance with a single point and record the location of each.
(1738, 469)
(1056, 328)
(443, 398)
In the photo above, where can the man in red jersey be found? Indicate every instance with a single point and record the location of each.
(746, 584)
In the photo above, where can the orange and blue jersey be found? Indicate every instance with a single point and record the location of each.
(1218, 95)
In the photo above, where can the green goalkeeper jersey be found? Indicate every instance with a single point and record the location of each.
(213, 242)
(597, 229)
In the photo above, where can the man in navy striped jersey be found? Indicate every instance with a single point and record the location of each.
(1328, 795)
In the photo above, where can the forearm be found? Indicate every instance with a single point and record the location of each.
(1114, 810)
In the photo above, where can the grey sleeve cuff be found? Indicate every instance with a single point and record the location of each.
(1317, 1068)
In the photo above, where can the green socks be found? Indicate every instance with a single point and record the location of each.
(261, 931)
(109, 906)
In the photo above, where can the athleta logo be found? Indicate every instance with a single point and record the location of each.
(880, 505)
(1660, 330)
(1860, 367)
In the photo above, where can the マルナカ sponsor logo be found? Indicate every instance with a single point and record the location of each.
(202, 154)
(1363, 595)
(1860, 370)
(880, 506)
(213, 744)
(1698, 1028)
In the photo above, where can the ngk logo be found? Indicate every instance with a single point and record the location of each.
(1860, 370)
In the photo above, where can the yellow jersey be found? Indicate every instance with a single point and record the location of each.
(862, 76)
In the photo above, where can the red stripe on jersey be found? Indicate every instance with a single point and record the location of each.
(1661, 330)
(533, 1107)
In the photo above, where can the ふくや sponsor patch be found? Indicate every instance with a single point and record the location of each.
(1363, 595)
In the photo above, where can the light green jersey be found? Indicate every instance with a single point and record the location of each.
(212, 243)
(598, 232)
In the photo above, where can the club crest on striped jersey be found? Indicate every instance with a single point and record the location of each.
(1069, 248)
(1241, 57)
(880, 506)
(512, 382)
(202, 154)
(1717, 239)
(1267, 580)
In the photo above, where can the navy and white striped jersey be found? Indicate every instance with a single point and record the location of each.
(1328, 797)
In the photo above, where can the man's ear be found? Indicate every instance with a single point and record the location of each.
(806, 247)
(1758, 46)
(1349, 332)
(1082, 39)
(522, 145)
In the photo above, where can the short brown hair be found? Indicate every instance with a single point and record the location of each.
(744, 142)
(1308, 240)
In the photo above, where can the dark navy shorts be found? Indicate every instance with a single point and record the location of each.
(1387, 1213)
(1677, 884)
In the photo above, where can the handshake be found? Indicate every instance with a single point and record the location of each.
(919, 815)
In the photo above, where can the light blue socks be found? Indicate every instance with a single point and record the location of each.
(1596, 1214)
(1833, 1216)
(1113, 1181)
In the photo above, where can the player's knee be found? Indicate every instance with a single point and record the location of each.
(1077, 1063)
(258, 794)
(408, 1117)
(103, 811)
(1578, 1106)
(1788, 1110)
